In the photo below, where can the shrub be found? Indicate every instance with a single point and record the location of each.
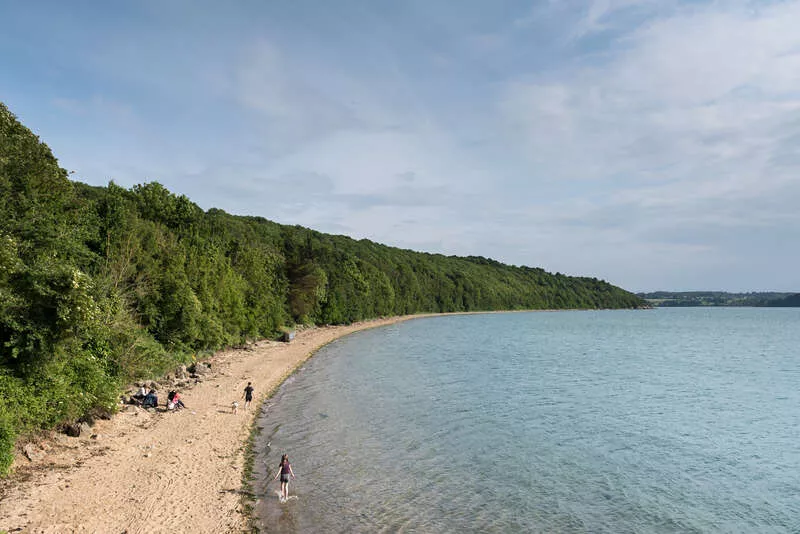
(7, 439)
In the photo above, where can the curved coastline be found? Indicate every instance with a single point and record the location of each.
(247, 498)
(145, 472)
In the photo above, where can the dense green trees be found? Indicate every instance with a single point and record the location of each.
(101, 285)
(56, 346)
(790, 301)
(678, 299)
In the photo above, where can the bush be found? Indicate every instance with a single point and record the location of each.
(14, 402)
(7, 439)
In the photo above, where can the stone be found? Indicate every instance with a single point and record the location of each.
(33, 453)
(73, 430)
(85, 428)
(180, 372)
(88, 419)
(102, 413)
(288, 336)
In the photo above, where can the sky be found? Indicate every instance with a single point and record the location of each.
(654, 144)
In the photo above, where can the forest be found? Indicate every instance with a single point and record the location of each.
(789, 301)
(666, 299)
(101, 286)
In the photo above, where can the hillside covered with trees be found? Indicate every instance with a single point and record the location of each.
(100, 286)
(791, 301)
(666, 299)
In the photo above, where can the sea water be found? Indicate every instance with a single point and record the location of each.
(666, 420)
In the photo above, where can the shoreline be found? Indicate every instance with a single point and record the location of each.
(247, 498)
(144, 471)
(159, 472)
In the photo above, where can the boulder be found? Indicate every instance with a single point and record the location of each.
(288, 336)
(87, 419)
(73, 430)
(33, 453)
(102, 413)
(180, 372)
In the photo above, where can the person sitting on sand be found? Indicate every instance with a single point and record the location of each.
(141, 394)
(150, 400)
(284, 471)
(175, 401)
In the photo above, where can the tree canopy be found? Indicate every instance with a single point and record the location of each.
(100, 286)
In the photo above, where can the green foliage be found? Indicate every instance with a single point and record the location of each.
(718, 298)
(155, 203)
(789, 301)
(103, 285)
(8, 437)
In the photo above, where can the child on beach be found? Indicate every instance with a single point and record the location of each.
(284, 471)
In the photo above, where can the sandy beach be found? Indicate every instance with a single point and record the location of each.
(145, 472)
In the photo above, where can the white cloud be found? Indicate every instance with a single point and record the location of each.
(691, 125)
(648, 142)
(599, 12)
(288, 99)
(684, 98)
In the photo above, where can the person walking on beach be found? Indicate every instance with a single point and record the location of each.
(248, 396)
(284, 471)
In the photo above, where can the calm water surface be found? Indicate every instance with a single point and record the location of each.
(668, 420)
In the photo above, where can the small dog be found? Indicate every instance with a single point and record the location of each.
(235, 407)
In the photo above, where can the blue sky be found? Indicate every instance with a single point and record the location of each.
(651, 143)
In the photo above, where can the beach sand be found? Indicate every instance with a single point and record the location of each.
(145, 472)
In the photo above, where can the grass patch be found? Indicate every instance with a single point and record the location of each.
(247, 495)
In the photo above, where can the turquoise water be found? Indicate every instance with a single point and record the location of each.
(667, 420)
